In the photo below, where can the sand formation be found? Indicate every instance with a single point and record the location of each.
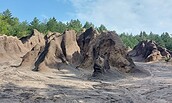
(88, 50)
(70, 47)
(86, 41)
(30, 57)
(10, 48)
(103, 51)
(149, 50)
(52, 55)
(32, 40)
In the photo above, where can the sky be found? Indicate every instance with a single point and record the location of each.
(130, 16)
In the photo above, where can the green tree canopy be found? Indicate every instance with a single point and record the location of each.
(163, 40)
(34, 24)
(102, 28)
(75, 25)
(52, 24)
(87, 25)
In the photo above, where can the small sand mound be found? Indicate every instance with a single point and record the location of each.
(11, 47)
(33, 39)
(149, 50)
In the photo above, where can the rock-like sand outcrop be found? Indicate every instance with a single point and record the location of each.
(59, 50)
(52, 56)
(11, 48)
(70, 47)
(149, 50)
(32, 40)
(30, 57)
(103, 51)
(85, 42)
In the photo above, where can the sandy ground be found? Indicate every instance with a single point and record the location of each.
(19, 85)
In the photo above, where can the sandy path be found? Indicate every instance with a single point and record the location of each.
(71, 86)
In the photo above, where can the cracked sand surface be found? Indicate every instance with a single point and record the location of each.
(72, 86)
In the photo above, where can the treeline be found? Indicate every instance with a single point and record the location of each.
(10, 25)
(164, 40)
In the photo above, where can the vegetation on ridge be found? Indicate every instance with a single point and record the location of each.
(10, 25)
(164, 40)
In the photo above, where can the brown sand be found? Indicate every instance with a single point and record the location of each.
(69, 85)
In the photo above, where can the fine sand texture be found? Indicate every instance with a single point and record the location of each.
(70, 85)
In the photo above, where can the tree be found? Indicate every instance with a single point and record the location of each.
(35, 24)
(87, 25)
(102, 28)
(143, 35)
(167, 40)
(75, 25)
(8, 23)
(61, 27)
(7, 14)
(52, 24)
(23, 29)
(43, 27)
(3, 25)
(13, 28)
